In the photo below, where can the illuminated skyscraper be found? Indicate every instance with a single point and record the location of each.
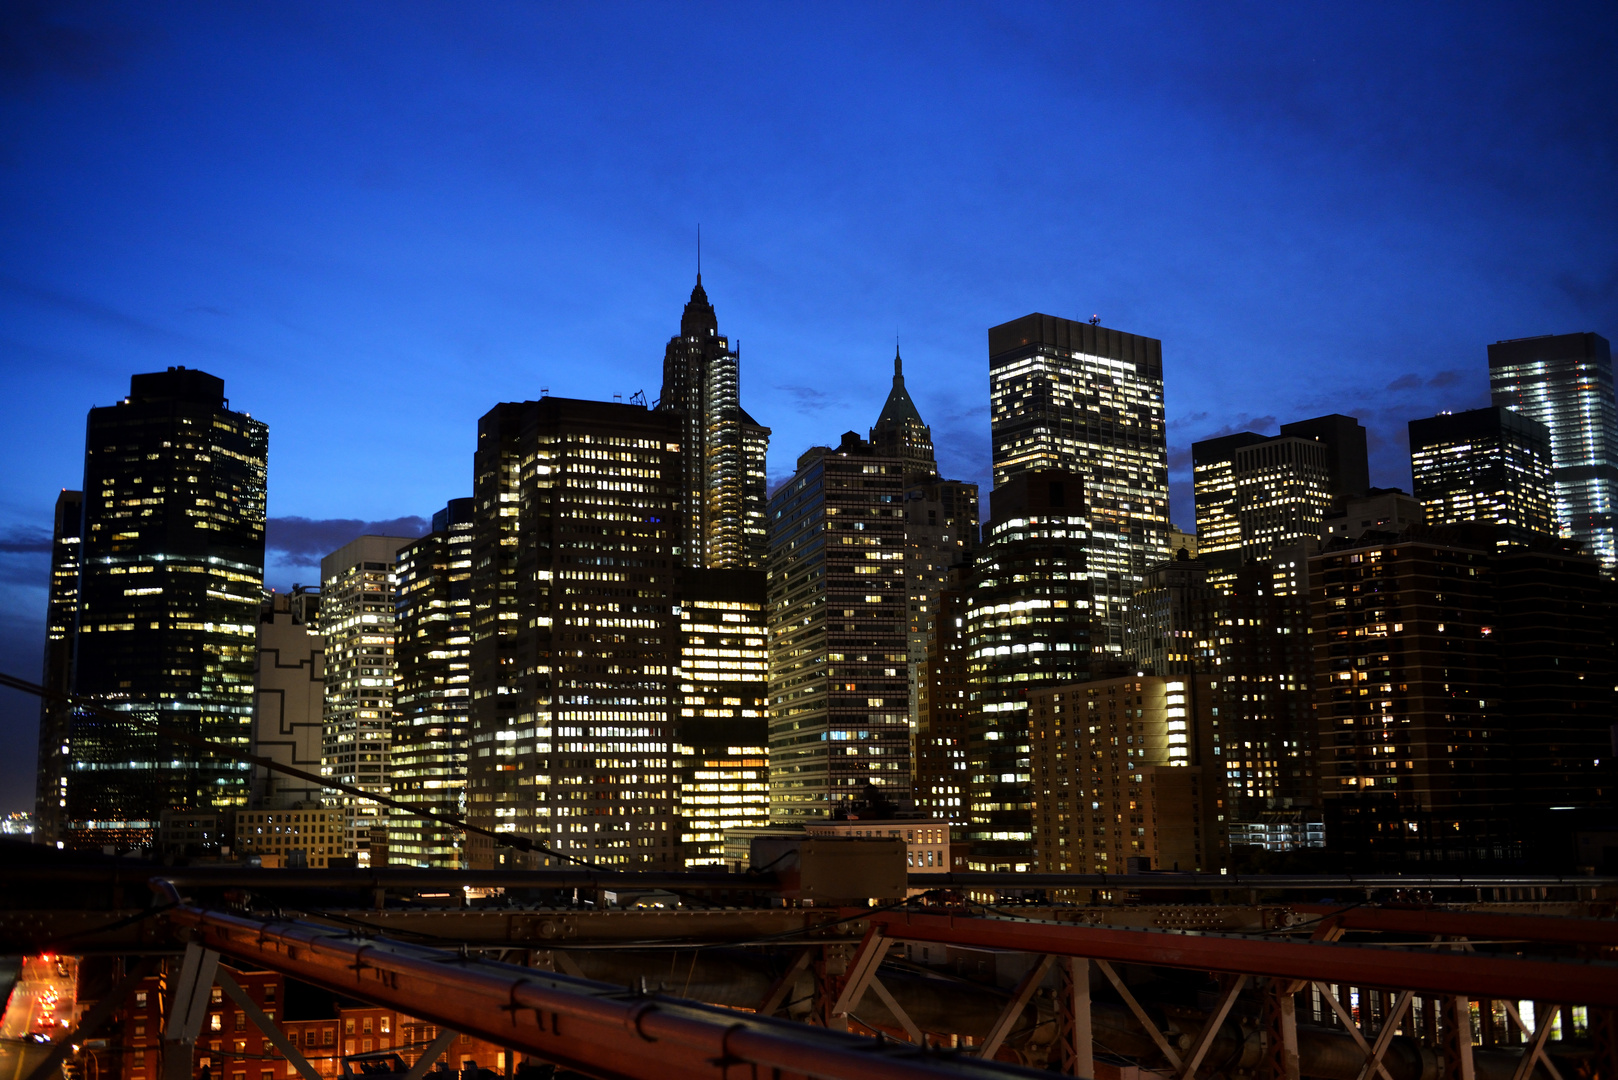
(358, 590)
(1283, 490)
(1564, 381)
(575, 644)
(432, 689)
(1028, 625)
(61, 619)
(941, 519)
(169, 590)
(942, 736)
(722, 735)
(1171, 627)
(1089, 400)
(722, 448)
(838, 699)
(1485, 465)
(1219, 523)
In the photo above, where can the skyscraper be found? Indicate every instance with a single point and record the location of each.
(1213, 477)
(838, 699)
(1258, 496)
(1171, 626)
(358, 591)
(721, 749)
(1489, 465)
(1283, 489)
(722, 448)
(1089, 400)
(432, 689)
(1028, 625)
(170, 584)
(899, 431)
(1565, 382)
(943, 734)
(941, 518)
(61, 621)
(575, 644)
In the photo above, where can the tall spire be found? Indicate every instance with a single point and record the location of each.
(898, 365)
(699, 254)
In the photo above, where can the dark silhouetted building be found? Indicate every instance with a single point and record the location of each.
(942, 736)
(1464, 694)
(1491, 465)
(1564, 381)
(1172, 624)
(61, 623)
(575, 643)
(170, 581)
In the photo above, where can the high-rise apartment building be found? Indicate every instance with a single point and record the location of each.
(1465, 696)
(838, 701)
(1565, 382)
(61, 623)
(943, 736)
(289, 683)
(722, 448)
(1490, 465)
(1028, 622)
(432, 690)
(941, 518)
(358, 591)
(1089, 400)
(1119, 777)
(941, 535)
(1171, 626)
(171, 574)
(721, 741)
(575, 643)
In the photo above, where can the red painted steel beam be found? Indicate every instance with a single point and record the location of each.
(1571, 982)
(1472, 924)
(595, 1028)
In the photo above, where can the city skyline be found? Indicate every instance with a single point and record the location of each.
(813, 302)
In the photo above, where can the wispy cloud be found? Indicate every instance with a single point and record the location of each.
(808, 399)
(303, 541)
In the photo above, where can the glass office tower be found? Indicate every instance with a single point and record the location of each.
(1564, 381)
(169, 589)
(1089, 400)
(1485, 465)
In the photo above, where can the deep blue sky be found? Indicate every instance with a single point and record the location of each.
(376, 221)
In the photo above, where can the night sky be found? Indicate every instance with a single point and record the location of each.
(377, 221)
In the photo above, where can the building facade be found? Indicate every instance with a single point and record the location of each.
(1490, 465)
(358, 594)
(943, 735)
(575, 643)
(1564, 381)
(838, 685)
(721, 751)
(1119, 776)
(169, 588)
(722, 448)
(1028, 621)
(432, 690)
(289, 685)
(1089, 400)
(1171, 626)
